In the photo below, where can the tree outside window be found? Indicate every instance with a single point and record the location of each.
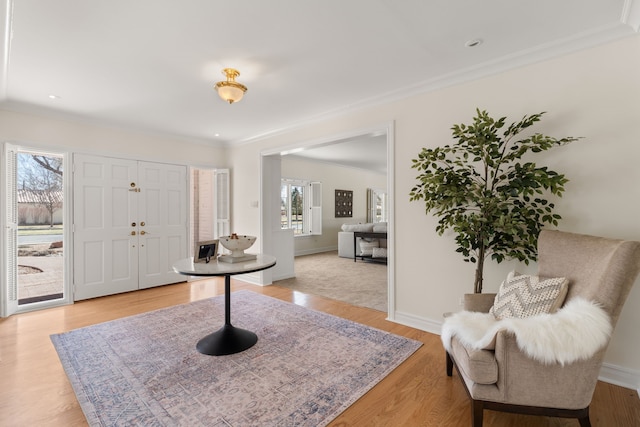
(40, 179)
(301, 206)
(292, 206)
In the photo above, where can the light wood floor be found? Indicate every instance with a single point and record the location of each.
(34, 390)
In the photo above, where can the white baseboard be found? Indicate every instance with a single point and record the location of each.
(417, 322)
(283, 277)
(253, 278)
(612, 374)
(621, 376)
(316, 250)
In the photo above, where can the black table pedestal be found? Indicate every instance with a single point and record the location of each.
(228, 339)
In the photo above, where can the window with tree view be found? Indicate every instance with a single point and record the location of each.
(39, 189)
(300, 206)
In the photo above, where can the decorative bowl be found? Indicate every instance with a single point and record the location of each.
(237, 244)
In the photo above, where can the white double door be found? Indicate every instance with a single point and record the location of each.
(130, 224)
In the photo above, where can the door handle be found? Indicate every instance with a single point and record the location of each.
(142, 233)
(142, 224)
(133, 233)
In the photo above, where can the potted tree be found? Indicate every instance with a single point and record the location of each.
(483, 190)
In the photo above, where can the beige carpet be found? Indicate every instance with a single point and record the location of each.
(359, 283)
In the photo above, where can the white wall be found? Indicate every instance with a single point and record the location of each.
(594, 93)
(332, 177)
(49, 132)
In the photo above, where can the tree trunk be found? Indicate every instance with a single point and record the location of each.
(477, 285)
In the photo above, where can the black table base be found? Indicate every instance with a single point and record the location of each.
(228, 339)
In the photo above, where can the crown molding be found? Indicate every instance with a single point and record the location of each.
(539, 53)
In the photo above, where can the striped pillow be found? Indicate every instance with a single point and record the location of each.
(523, 296)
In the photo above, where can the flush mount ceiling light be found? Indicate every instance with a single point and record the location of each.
(230, 90)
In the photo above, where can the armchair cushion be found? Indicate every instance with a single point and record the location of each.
(523, 296)
(575, 332)
(479, 365)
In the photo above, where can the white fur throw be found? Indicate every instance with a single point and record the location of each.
(575, 332)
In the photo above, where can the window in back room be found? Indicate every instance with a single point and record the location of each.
(301, 206)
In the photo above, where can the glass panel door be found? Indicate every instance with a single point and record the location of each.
(35, 234)
(40, 212)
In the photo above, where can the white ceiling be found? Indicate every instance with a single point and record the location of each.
(368, 151)
(152, 64)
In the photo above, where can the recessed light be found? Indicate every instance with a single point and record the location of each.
(473, 43)
(54, 97)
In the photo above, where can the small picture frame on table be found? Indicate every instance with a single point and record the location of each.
(205, 251)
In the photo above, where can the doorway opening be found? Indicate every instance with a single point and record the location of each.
(209, 208)
(36, 229)
(272, 168)
(40, 207)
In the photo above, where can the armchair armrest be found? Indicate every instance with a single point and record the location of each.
(533, 383)
(478, 302)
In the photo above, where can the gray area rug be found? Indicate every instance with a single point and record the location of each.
(306, 368)
(359, 283)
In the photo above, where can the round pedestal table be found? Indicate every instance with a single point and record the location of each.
(228, 339)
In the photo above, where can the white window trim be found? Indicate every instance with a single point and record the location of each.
(312, 206)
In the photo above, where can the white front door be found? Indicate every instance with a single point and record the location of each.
(162, 222)
(130, 224)
(105, 241)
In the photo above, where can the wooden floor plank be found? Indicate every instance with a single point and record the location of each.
(35, 390)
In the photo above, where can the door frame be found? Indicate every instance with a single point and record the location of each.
(269, 191)
(67, 241)
(221, 215)
(221, 224)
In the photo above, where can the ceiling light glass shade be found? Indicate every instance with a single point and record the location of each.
(230, 90)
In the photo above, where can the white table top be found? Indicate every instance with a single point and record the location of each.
(187, 267)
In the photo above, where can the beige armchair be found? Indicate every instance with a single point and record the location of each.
(502, 377)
